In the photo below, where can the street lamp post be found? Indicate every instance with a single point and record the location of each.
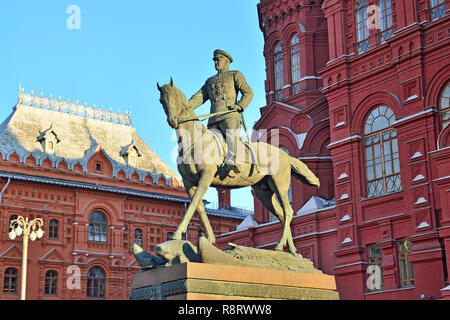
(21, 226)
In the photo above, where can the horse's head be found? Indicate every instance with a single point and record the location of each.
(173, 101)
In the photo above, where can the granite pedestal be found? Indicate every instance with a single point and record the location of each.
(200, 281)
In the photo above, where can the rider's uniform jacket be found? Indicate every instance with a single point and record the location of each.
(222, 90)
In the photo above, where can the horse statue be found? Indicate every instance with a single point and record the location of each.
(201, 155)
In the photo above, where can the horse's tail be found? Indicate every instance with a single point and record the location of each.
(301, 172)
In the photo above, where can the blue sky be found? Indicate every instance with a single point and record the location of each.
(122, 49)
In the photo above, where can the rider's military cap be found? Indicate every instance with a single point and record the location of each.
(223, 53)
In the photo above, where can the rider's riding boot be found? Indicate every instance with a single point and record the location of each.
(231, 165)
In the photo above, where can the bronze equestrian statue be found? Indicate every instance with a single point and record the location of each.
(222, 90)
(202, 153)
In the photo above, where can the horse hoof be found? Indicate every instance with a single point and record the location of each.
(212, 239)
(278, 248)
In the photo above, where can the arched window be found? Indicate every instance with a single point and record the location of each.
(444, 107)
(96, 283)
(138, 234)
(278, 71)
(381, 153)
(97, 227)
(295, 64)
(10, 281)
(51, 283)
(362, 27)
(53, 227)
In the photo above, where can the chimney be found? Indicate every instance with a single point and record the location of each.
(224, 198)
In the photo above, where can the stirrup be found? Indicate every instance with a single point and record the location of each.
(232, 167)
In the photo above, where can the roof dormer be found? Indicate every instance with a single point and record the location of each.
(130, 154)
(48, 140)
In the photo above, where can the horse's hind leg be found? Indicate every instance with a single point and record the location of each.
(269, 200)
(279, 183)
(267, 197)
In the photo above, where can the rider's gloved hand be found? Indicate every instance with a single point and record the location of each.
(236, 107)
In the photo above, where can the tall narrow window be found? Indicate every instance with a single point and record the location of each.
(362, 28)
(385, 20)
(444, 105)
(295, 64)
(406, 267)
(374, 256)
(437, 9)
(51, 283)
(53, 227)
(138, 237)
(96, 283)
(278, 70)
(10, 281)
(97, 227)
(381, 153)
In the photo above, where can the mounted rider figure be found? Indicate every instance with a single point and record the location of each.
(222, 90)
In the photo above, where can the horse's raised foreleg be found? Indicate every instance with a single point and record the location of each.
(196, 198)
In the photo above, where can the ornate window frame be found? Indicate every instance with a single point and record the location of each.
(139, 236)
(386, 21)
(51, 283)
(98, 227)
(405, 267)
(10, 281)
(278, 70)
(295, 63)
(96, 282)
(362, 26)
(381, 153)
(444, 106)
(437, 9)
(53, 229)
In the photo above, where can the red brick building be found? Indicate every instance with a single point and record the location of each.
(98, 187)
(359, 91)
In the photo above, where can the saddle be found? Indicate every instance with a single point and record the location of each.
(222, 148)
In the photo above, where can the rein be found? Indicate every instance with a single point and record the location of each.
(204, 116)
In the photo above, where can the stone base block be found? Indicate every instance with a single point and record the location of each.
(200, 281)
